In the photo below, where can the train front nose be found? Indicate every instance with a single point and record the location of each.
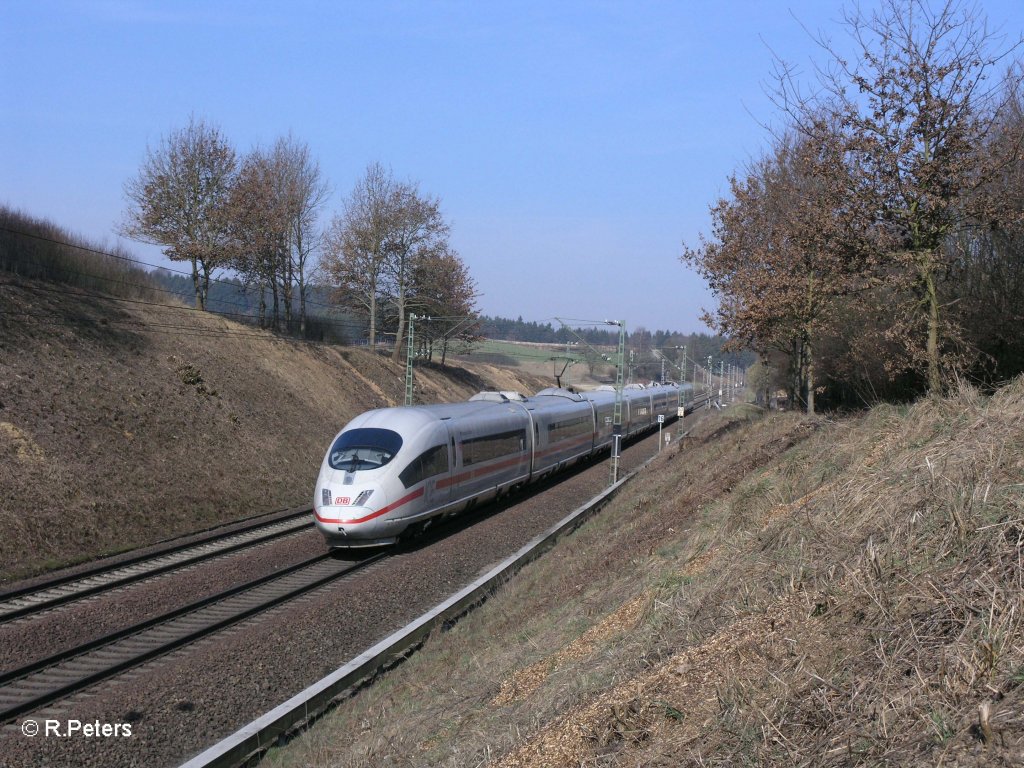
(348, 516)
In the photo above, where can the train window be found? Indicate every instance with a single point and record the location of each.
(433, 461)
(366, 448)
(575, 427)
(489, 447)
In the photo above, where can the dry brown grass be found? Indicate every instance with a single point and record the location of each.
(798, 593)
(878, 616)
(524, 682)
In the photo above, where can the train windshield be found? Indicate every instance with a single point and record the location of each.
(367, 448)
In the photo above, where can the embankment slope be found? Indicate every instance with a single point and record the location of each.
(123, 423)
(777, 590)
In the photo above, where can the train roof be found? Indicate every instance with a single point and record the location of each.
(503, 396)
(488, 403)
(560, 392)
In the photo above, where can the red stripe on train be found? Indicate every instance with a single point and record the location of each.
(383, 511)
(482, 471)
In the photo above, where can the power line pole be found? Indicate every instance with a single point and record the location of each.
(681, 410)
(410, 350)
(707, 380)
(617, 415)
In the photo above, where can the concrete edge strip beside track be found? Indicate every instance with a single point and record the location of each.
(262, 733)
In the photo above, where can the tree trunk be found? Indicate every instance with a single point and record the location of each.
(397, 353)
(302, 304)
(796, 382)
(302, 282)
(287, 280)
(373, 320)
(197, 285)
(205, 286)
(809, 353)
(932, 347)
(277, 310)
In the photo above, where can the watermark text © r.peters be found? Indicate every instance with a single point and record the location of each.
(71, 728)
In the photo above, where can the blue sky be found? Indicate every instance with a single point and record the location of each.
(574, 145)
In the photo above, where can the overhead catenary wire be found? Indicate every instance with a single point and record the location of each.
(199, 331)
(127, 324)
(182, 330)
(234, 284)
(176, 307)
(123, 280)
(143, 288)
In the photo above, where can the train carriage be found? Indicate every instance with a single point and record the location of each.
(493, 450)
(564, 429)
(638, 410)
(603, 401)
(394, 470)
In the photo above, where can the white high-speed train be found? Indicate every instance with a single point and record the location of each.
(392, 471)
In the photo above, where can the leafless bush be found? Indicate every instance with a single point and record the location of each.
(36, 249)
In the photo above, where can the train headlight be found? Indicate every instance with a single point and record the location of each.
(325, 497)
(362, 498)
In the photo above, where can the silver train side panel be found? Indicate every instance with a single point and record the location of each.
(454, 456)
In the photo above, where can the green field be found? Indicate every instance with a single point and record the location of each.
(546, 359)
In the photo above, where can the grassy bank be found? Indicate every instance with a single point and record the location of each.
(782, 591)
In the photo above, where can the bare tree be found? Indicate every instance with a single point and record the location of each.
(444, 291)
(914, 110)
(179, 198)
(372, 249)
(355, 243)
(988, 280)
(304, 190)
(417, 231)
(260, 225)
(783, 250)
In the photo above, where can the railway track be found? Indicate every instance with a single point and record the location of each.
(38, 684)
(242, 747)
(57, 591)
(85, 683)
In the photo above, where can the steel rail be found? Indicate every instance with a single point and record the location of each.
(45, 681)
(31, 598)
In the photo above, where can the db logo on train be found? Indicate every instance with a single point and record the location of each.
(341, 501)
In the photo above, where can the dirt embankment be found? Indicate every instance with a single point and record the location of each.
(123, 423)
